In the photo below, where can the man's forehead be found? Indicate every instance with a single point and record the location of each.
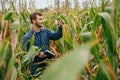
(39, 16)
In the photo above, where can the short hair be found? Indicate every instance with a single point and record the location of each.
(33, 16)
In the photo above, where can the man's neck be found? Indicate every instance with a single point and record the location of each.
(36, 29)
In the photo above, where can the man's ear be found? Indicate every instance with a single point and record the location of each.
(33, 21)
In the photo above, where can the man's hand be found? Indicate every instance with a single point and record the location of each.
(42, 55)
(61, 24)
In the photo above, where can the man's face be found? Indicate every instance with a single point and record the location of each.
(39, 21)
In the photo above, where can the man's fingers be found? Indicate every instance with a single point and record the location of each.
(62, 22)
(42, 55)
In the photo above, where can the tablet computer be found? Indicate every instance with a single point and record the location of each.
(49, 54)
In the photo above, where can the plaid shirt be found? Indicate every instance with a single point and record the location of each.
(41, 39)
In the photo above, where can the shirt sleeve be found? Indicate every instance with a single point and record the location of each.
(25, 43)
(55, 35)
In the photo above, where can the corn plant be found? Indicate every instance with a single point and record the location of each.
(89, 48)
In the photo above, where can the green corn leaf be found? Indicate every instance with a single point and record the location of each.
(63, 17)
(29, 57)
(116, 8)
(109, 32)
(33, 51)
(92, 12)
(14, 8)
(96, 23)
(117, 4)
(9, 68)
(1, 73)
(32, 40)
(86, 36)
(15, 25)
(69, 65)
(8, 15)
(14, 74)
(24, 16)
(20, 34)
(95, 52)
(103, 5)
(103, 73)
(3, 51)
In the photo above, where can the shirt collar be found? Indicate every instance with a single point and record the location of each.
(41, 30)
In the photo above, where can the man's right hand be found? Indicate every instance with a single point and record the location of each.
(42, 55)
(61, 24)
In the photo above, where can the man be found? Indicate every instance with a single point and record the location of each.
(42, 37)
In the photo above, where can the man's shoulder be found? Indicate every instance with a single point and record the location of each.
(29, 34)
(44, 29)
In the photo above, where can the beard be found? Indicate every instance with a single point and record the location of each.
(38, 25)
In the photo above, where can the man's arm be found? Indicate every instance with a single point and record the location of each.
(55, 35)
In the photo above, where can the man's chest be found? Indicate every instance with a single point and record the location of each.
(41, 38)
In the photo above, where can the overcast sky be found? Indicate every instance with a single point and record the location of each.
(45, 3)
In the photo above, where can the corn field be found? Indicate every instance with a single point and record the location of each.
(88, 50)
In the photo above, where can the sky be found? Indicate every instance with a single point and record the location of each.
(45, 3)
